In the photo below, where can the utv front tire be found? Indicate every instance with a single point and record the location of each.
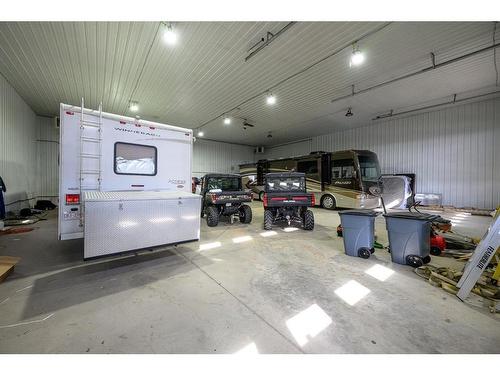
(212, 216)
(245, 214)
(268, 220)
(308, 220)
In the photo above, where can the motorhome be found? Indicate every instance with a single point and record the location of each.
(125, 183)
(337, 179)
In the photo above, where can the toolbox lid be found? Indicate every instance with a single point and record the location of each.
(411, 216)
(359, 212)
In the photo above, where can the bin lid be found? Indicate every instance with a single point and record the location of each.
(412, 216)
(359, 212)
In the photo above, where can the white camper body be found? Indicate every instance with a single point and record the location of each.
(102, 152)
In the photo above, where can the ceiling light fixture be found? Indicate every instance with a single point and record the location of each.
(349, 112)
(200, 134)
(269, 135)
(227, 120)
(169, 35)
(133, 106)
(271, 99)
(357, 57)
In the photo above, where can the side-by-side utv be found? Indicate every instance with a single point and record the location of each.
(223, 195)
(285, 199)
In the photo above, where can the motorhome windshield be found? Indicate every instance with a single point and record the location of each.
(224, 183)
(369, 167)
(285, 183)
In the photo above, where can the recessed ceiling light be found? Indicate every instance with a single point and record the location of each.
(133, 106)
(227, 120)
(200, 134)
(169, 35)
(271, 99)
(357, 57)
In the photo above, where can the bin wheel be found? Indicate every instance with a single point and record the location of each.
(372, 250)
(364, 252)
(435, 251)
(414, 261)
(426, 259)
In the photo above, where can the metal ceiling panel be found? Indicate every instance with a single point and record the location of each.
(205, 75)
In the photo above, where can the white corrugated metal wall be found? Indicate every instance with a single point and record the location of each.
(47, 154)
(220, 157)
(454, 151)
(17, 147)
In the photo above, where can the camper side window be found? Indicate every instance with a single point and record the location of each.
(135, 159)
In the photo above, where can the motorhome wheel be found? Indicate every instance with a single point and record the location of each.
(328, 202)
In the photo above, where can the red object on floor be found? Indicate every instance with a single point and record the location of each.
(438, 241)
(15, 230)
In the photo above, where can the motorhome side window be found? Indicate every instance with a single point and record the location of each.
(343, 168)
(135, 159)
(309, 167)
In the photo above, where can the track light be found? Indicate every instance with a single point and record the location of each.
(271, 99)
(169, 35)
(227, 120)
(200, 134)
(349, 112)
(133, 106)
(357, 57)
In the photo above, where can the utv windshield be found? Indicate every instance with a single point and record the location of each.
(224, 183)
(285, 184)
(369, 168)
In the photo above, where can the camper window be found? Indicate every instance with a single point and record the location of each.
(134, 159)
(343, 168)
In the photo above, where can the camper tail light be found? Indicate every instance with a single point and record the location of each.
(72, 199)
(313, 200)
(264, 200)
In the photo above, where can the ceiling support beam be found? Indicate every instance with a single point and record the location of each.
(425, 70)
(270, 37)
(432, 106)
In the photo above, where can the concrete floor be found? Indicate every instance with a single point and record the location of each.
(293, 292)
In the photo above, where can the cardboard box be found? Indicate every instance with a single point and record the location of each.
(7, 266)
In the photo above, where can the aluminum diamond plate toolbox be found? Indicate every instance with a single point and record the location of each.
(116, 222)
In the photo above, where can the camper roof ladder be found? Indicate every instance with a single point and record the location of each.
(92, 156)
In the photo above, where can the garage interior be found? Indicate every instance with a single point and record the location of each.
(423, 96)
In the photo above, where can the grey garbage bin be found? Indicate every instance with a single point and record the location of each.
(409, 237)
(358, 227)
